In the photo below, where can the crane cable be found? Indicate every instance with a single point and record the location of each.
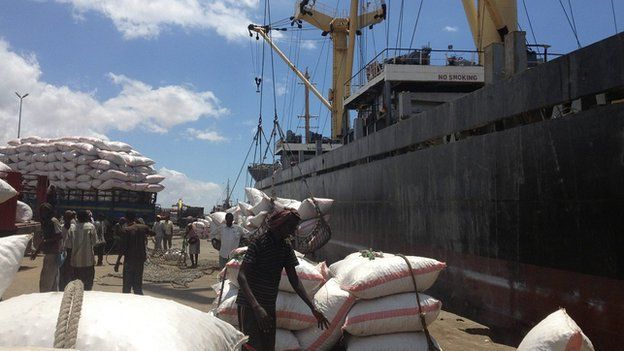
(614, 19)
(526, 11)
(570, 23)
(416, 24)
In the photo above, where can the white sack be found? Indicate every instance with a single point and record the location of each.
(111, 184)
(257, 220)
(334, 303)
(307, 210)
(104, 165)
(218, 217)
(282, 204)
(23, 213)
(85, 159)
(306, 227)
(390, 275)
(391, 314)
(154, 188)
(557, 332)
(311, 275)
(254, 196)
(245, 208)
(154, 178)
(390, 342)
(290, 312)
(12, 250)
(4, 167)
(285, 340)
(113, 321)
(83, 178)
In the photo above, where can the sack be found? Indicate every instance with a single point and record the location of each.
(23, 213)
(290, 312)
(310, 274)
(4, 167)
(12, 250)
(391, 314)
(6, 191)
(285, 340)
(557, 332)
(307, 209)
(334, 303)
(148, 323)
(385, 276)
(390, 342)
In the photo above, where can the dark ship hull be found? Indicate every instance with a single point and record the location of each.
(524, 208)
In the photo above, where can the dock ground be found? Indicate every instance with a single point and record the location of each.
(453, 332)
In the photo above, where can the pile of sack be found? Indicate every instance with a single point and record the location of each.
(386, 314)
(82, 163)
(292, 314)
(252, 215)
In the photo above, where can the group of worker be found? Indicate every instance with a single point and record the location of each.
(70, 247)
(74, 240)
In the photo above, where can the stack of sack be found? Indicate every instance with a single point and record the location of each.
(253, 215)
(82, 163)
(23, 212)
(386, 314)
(292, 314)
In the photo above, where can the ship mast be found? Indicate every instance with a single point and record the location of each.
(342, 32)
(490, 21)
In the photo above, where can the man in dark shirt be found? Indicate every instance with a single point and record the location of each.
(133, 242)
(259, 279)
(50, 244)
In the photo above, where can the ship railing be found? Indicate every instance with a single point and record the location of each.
(412, 56)
(536, 54)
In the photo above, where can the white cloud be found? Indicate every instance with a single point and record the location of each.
(51, 111)
(450, 29)
(206, 134)
(192, 191)
(308, 44)
(148, 18)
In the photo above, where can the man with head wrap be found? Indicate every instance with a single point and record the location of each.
(259, 278)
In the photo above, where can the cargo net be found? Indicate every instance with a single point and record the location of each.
(169, 267)
(314, 240)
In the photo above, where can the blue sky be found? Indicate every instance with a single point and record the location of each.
(174, 78)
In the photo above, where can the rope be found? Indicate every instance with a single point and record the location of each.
(614, 19)
(416, 24)
(430, 343)
(570, 23)
(526, 11)
(69, 316)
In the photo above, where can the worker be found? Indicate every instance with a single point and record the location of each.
(133, 247)
(50, 242)
(101, 226)
(259, 278)
(66, 272)
(159, 232)
(193, 243)
(168, 232)
(80, 243)
(228, 237)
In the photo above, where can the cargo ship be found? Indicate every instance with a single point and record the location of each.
(510, 169)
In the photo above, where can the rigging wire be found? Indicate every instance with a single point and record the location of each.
(399, 39)
(526, 11)
(614, 19)
(416, 23)
(570, 23)
(572, 16)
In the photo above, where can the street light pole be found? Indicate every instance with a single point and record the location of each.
(19, 121)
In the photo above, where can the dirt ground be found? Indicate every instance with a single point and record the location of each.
(453, 332)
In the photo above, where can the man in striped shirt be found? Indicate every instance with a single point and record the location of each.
(259, 278)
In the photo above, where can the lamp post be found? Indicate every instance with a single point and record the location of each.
(19, 121)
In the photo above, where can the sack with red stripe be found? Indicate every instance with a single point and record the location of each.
(290, 311)
(557, 332)
(311, 276)
(388, 275)
(285, 340)
(390, 342)
(391, 314)
(334, 303)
